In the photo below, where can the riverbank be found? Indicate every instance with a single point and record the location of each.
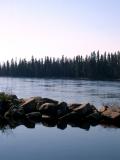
(49, 112)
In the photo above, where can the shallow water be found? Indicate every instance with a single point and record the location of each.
(51, 143)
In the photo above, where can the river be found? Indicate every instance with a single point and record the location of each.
(51, 143)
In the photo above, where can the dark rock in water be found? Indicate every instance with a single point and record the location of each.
(29, 124)
(45, 100)
(30, 105)
(48, 100)
(34, 116)
(73, 106)
(48, 109)
(4, 106)
(69, 117)
(62, 109)
(80, 124)
(84, 109)
(62, 125)
(79, 112)
(53, 109)
(49, 121)
(14, 113)
(96, 116)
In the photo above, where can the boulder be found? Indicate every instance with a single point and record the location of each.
(62, 109)
(72, 116)
(62, 125)
(73, 106)
(94, 118)
(34, 116)
(102, 109)
(48, 100)
(111, 115)
(14, 113)
(30, 104)
(82, 124)
(49, 121)
(53, 109)
(49, 109)
(84, 109)
(4, 106)
(45, 100)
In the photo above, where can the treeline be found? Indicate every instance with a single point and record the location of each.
(95, 66)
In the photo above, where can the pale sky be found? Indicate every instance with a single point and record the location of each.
(58, 27)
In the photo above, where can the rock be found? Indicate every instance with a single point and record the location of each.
(48, 100)
(34, 116)
(84, 109)
(14, 113)
(82, 124)
(49, 121)
(30, 104)
(62, 108)
(115, 108)
(94, 118)
(4, 106)
(111, 115)
(102, 109)
(72, 116)
(53, 109)
(62, 125)
(73, 106)
(29, 124)
(48, 109)
(45, 100)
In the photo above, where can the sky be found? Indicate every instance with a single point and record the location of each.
(58, 27)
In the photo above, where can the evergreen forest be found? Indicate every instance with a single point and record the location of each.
(94, 66)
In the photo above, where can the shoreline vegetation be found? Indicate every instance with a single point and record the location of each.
(51, 113)
(95, 67)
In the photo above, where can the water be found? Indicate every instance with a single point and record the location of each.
(52, 143)
(71, 91)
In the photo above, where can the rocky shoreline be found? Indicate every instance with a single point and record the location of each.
(51, 113)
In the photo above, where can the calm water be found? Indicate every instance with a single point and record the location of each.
(52, 143)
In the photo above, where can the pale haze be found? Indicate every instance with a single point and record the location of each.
(58, 27)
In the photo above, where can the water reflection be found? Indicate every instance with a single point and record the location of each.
(7, 127)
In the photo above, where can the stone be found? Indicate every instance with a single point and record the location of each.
(109, 114)
(45, 100)
(49, 121)
(62, 108)
(48, 100)
(102, 109)
(14, 113)
(30, 105)
(72, 116)
(62, 125)
(73, 106)
(53, 109)
(85, 109)
(48, 109)
(34, 116)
